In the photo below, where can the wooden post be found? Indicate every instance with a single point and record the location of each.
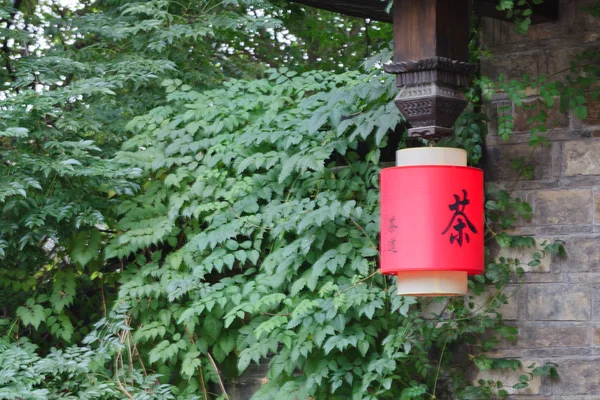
(431, 53)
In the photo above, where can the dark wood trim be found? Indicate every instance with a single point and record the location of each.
(375, 9)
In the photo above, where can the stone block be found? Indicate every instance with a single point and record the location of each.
(583, 254)
(526, 397)
(581, 158)
(493, 110)
(526, 114)
(525, 255)
(543, 278)
(587, 127)
(559, 302)
(509, 311)
(596, 302)
(509, 378)
(498, 159)
(512, 66)
(544, 32)
(563, 230)
(597, 208)
(534, 335)
(558, 61)
(556, 159)
(563, 207)
(581, 278)
(557, 352)
(593, 111)
(582, 397)
(591, 37)
(596, 335)
(578, 377)
(577, 19)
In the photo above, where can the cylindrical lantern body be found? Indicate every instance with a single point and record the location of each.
(432, 222)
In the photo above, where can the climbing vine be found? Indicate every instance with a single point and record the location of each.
(237, 225)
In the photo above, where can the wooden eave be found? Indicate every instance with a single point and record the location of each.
(376, 9)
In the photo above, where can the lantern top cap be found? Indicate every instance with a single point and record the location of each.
(431, 156)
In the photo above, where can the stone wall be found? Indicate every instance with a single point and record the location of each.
(557, 311)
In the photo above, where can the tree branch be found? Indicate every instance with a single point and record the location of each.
(11, 73)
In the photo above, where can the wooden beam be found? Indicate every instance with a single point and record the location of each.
(375, 9)
(426, 29)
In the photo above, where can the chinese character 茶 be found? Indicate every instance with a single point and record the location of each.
(461, 220)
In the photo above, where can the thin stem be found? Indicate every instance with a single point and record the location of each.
(365, 232)
(359, 282)
(128, 336)
(139, 357)
(218, 375)
(102, 297)
(437, 374)
(121, 387)
(205, 10)
(576, 68)
(275, 315)
(248, 222)
(318, 188)
(287, 198)
(487, 225)
(521, 169)
(204, 392)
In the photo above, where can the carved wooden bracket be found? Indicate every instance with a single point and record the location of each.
(431, 109)
(430, 98)
(431, 39)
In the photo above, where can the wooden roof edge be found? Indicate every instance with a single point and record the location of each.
(372, 9)
(375, 9)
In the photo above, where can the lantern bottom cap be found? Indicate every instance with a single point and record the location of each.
(432, 283)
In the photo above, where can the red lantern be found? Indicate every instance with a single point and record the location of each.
(432, 222)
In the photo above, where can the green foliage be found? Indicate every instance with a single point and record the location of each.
(268, 236)
(75, 76)
(74, 372)
(254, 239)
